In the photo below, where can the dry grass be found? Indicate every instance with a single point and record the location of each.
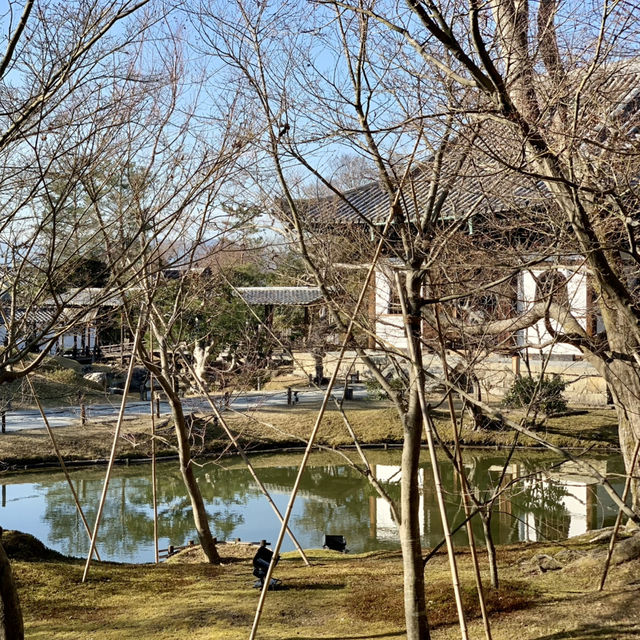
(58, 382)
(275, 428)
(338, 597)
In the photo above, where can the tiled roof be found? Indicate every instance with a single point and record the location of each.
(85, 297)
(488, 175)
(280, 295)
(479, 189)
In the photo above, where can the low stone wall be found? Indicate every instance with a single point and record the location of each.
(585, 386)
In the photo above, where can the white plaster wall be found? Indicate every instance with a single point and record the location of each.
(389, 326)
(62, 344)
(537, 334)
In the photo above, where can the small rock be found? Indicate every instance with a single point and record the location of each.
(566, 556)
(545, 562)
(626, 550)
(97, 376)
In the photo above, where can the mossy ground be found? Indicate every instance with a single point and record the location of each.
(58, 382)
(339, 597)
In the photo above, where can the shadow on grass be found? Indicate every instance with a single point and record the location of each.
(368, 636)
(606, 632)
(316, 587)
(604, 433)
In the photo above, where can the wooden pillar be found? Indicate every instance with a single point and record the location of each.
(373, 517)
(592, 507)
(268, 316)
(306, 323)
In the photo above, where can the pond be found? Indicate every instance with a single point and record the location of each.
(545, 501)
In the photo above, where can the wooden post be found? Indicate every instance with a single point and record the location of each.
(122, 340)
(83, 414)
(373, 518)
(289, 395)
(515, 365)
(4, 421)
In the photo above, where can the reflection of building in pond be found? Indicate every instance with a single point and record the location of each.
(575, 502)
(534, 505)
(382, 525)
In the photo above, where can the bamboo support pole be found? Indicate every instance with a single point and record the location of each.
(464, 485)
(434, 465)
(316, 427)
(112, 457)
(616, 526)
(154, 477)
(246, 460)
(63, 466)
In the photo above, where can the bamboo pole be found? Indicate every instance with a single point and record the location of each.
(112, 457)
(323, 407)
(154, 478)
(616, 526)
(434, 466)
(246, 460)
(314, 431)
(63, 466)
(464, 485)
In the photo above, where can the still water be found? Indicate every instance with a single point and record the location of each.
(544, 501)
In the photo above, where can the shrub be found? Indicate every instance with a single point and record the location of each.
(64, 376)
(541, 394)
(375, 390)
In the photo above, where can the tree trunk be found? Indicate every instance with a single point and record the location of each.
(186, 469)
(624, 383)
(414, 592)
(485, 516)
(622, 375)
(10, 614)
(164, 376)
(200, 357)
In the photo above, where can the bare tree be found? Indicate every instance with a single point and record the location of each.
(71, 79)
(503, 142)
(395, 235)
(560, 115)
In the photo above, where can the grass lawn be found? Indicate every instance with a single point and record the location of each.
(342, 597)
(271, 428)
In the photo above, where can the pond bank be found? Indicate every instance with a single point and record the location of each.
(275, 429)
(339, 596)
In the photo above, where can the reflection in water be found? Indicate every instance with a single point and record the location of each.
(536, 504)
